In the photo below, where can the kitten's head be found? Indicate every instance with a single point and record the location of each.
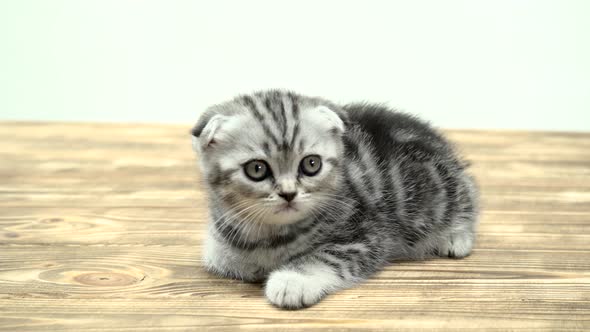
(273, 157)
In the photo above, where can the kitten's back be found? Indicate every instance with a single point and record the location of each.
(398, 135)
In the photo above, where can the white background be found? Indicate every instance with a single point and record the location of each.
(460, 64)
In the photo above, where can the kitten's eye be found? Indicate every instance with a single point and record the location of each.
(311, 165)
(256, 170)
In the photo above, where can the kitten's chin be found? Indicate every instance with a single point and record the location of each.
(285, 215)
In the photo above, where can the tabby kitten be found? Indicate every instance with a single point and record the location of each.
(314, 197)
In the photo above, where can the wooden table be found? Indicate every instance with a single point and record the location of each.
(101, 227)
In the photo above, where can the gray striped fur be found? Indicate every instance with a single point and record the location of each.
(390, 188)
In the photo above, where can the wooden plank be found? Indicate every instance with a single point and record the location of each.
(511, 286)
(102, 227)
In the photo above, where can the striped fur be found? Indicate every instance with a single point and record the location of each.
(390, 188)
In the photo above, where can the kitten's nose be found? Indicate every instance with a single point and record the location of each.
(289, 196)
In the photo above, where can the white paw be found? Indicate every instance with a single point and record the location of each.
(459, 245)
(292, 290)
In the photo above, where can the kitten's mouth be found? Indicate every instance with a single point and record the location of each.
(288, 207)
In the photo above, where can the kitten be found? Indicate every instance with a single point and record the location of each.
(314, 197)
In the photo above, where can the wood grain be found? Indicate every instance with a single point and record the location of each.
(101, 227)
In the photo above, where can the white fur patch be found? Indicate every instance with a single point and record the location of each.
(292, 289)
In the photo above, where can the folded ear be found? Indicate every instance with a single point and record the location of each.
(331, 118)
(204, 132)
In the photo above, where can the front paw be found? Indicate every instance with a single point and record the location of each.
(292, 290)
